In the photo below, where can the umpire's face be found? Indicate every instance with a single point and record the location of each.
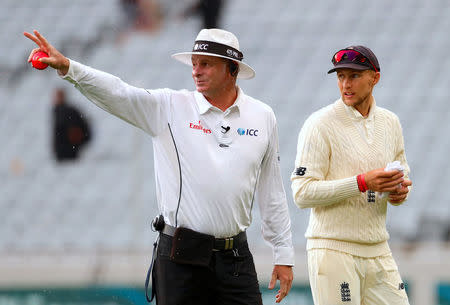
(356, 86)
(211, 75)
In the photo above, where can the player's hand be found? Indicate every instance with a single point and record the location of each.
(55, 60)
(379, 180)
(285, 275)
(400, 194)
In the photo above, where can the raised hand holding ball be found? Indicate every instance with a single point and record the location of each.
(52, 58)
(35, 60)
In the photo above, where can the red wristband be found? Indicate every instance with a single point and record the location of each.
(361, 183)
(358, 180)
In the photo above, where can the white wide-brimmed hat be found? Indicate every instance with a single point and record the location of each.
(219, 43)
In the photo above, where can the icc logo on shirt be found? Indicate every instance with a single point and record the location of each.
(248, 132)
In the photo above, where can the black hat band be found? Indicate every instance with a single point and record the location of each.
(217, 48)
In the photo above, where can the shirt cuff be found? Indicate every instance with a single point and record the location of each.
(73, 68)
(283, 256)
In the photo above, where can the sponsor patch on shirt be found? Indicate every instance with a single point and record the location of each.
(199, 127)
(248, 132)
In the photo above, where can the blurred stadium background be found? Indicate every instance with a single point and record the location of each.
(80, 233)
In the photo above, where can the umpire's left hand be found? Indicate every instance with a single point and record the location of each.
(285, 275)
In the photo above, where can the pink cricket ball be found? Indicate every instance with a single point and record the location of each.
(35, 60)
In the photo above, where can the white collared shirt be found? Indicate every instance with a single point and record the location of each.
(223, 171)
(365, 125)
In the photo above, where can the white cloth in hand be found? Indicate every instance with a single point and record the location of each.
(396, 165)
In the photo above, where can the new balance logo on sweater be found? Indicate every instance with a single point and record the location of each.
(300, 171)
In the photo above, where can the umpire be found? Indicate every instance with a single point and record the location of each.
(216, 152)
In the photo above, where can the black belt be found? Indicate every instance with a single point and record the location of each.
(220, 244)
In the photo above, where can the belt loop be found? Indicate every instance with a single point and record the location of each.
(229, 243)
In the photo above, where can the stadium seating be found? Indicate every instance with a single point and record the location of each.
(107, 199)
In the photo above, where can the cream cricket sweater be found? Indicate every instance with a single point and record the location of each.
(334, 146)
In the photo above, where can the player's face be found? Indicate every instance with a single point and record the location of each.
(356, 86)
(211, 75)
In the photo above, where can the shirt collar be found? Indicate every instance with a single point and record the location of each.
(204, 105)
(355, 115)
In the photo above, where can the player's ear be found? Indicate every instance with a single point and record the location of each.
(376, 77)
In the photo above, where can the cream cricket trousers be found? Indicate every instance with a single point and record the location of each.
(339, 278)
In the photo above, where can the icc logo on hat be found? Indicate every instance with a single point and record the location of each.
(200, 46)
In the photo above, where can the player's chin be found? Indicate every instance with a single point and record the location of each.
(349, 101)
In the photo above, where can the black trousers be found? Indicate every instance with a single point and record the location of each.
(229, 279)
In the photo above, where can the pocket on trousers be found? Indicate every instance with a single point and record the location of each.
(316, 262)
(164, 246)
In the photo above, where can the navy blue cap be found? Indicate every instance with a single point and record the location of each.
(366, 52)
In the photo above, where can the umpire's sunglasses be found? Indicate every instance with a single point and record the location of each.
(352, 55)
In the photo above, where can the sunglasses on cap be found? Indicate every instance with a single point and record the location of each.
(353, 56)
